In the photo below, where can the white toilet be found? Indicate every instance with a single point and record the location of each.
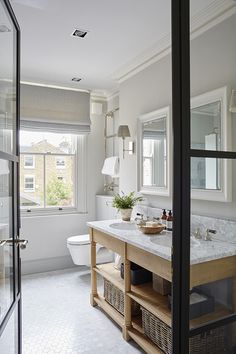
(79, 247)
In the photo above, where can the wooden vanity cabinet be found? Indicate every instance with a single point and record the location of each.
(144, 294)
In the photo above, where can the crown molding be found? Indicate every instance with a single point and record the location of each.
(53, 86)
(104, 96)
(210, 16)
(94, 96)
(113, 94)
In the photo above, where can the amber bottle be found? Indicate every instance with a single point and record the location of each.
(164, 217)
(169, 221)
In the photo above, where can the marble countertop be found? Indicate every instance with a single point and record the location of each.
(160, 245)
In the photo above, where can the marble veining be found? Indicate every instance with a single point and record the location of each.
(201, 251)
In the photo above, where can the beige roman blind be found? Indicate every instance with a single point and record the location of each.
(52, 109)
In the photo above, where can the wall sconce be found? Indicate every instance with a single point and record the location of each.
(123, 132)
(232, 104)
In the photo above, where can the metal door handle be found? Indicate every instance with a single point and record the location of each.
(23, 243)
(10, 241)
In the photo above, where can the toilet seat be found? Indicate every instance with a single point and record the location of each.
(79, 248)
(79, 240)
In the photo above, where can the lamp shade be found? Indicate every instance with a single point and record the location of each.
(123, 131)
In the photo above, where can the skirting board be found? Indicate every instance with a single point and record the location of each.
(46, 265)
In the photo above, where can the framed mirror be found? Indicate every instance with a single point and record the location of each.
(211, 179)
(154, 152)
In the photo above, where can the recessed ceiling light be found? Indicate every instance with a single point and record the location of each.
(79, 33)
(76, 79)
(4, 28)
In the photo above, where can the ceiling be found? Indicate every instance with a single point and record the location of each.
(119, 33)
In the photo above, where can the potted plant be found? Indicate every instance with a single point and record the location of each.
(125, 203)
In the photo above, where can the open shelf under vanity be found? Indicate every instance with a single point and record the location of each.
(148, 298)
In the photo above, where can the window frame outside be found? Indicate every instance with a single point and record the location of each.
(27, 190)
(58, 166)
(33, 165)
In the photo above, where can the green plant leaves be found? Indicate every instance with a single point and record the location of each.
(125, 201)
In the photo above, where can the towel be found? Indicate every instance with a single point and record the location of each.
(4, 169)
(111, 167)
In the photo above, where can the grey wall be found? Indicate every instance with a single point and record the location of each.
(213, 65)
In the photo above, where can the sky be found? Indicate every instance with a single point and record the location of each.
(29, 137)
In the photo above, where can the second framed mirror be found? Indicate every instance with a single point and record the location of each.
(154, 152)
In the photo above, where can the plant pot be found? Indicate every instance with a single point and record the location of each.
(126, 214)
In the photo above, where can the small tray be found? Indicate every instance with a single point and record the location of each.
(150, 230)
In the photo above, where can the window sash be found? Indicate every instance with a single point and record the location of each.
(74, 176)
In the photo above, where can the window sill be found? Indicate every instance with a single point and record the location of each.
(45, 213)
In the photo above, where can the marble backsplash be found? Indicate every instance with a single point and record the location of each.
(222, 226)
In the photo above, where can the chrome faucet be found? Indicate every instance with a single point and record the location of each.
(209, 234)
(110, 187)
(197, 234)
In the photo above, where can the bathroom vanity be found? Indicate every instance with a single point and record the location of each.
(210, 261)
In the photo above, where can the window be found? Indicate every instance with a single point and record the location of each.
(29, 161)
(57, 170)
(29, 183)
(60, 162)
(148, 154)
(154, 151)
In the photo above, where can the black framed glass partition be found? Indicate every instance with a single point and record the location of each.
(10, 287)
(204, 230)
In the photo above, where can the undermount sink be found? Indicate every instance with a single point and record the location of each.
(123, 226)
(162, 240)
(166, 241)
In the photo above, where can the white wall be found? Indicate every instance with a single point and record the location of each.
(213, 65)
(47, 234)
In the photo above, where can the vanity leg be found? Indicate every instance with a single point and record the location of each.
(94, 292)
(127, 299)
(233, 325)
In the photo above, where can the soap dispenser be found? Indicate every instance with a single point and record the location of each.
(163, 217)
(169, 221)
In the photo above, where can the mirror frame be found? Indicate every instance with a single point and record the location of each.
(225, 193)
(149, 117)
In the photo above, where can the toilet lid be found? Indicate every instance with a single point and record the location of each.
(79, 240)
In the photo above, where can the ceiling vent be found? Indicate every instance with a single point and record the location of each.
(79, 33)
(76, 79)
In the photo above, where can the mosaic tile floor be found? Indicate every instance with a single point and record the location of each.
(58, 319)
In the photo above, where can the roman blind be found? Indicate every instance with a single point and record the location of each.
(51, 109)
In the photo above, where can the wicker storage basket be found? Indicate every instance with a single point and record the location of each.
(115, 297)
(211, 342)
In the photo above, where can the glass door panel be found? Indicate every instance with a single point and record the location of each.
(6, 249)
(10, 296)
(212, 264)
(8, 341)
(7, 83)
(213, 75)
